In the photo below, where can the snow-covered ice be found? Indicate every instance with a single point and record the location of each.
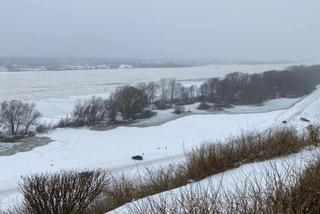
(55, 92)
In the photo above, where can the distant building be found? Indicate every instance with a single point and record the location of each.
(123, 66)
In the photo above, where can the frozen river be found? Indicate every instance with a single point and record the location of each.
(56, 91)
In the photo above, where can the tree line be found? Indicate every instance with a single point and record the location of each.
(131, 102)
(242, 88)
(128, 102)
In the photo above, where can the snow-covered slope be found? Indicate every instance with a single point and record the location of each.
(83, 148)
(230, 180)
(309, 108)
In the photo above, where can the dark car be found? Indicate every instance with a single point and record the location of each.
(137, 157)
(304, 119)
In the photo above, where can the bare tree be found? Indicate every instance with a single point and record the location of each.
(172, 89)
(141, 85)
(193, 92)
(31, 116)
(16, 114)
(164, 91)
(210, 90)
(168, 90)
(90, 112)
(112, 107)
(151, 90)
(130, 101)
(1, 116)
(184, 95)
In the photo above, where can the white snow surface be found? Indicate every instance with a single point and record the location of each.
(84, 148)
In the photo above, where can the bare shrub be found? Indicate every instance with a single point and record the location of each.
(203, 106)
(44, 127)
(122, 190)
(313, 134)
(287, 190)
(179, 110)
(146, 114)
(211, 158)
(305, 194)
(64, 122)
(190, 199)
(62, 193)
(164, 178)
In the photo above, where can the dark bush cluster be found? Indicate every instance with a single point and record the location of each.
(179, 110)
(203, 106)
(242, 88)
(128, 102)
(65, 192)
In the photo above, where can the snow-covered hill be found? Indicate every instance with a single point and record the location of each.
(84, 148)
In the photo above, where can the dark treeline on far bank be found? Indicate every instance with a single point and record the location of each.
(242, 88)
(132, 102)
(128, 102)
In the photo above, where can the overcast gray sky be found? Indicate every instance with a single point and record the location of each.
(220, 29)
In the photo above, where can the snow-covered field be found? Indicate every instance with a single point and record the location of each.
(55, 92)
(84, 148)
